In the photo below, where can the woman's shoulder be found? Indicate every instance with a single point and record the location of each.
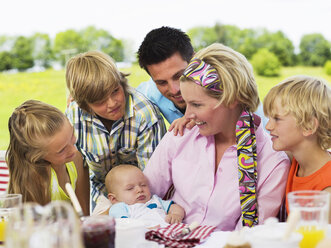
(189, 135)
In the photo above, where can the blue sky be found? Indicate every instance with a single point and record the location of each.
(132, 19)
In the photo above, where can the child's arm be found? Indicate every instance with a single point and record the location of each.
(83, 184)
(180, 124)
(175, 214)
(119, 210)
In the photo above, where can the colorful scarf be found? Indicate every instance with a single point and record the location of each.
(203, 74)
(247, 167)
(206, 76)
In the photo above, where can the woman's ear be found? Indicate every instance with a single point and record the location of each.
(112, 198)
(312, 130)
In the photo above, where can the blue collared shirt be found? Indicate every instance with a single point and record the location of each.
(167, 107)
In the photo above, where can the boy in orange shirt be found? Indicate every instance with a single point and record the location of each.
(299, 110)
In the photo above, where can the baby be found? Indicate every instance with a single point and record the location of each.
(129, 193)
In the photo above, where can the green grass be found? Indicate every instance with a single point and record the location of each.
(265, 83)
(49, 86)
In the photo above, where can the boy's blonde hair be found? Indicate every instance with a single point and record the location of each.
(305, 98)
(91, 77)
(235, 73)
(29, 127)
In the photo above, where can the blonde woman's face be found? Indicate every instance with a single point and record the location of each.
(204, 110)
(60, 148)
(112, 107)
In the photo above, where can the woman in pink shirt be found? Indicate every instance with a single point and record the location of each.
(224, 170)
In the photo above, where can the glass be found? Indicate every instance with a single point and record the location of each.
(272, 236)
(313, 207)
(98, 231)
(53, 226)
(8, 202)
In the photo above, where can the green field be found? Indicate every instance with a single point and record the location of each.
(49, 86)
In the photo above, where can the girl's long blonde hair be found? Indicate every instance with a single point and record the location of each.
(29, 126)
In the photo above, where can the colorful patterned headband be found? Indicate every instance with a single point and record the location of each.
(203, 74)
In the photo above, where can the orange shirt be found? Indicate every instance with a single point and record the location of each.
(319, 180)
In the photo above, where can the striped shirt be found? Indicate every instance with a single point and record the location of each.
(131, 140)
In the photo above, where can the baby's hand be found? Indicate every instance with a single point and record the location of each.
(173, 218)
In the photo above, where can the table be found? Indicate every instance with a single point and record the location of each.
(219, 238)
(216, 240)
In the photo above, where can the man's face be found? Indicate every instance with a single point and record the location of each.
(166, 75)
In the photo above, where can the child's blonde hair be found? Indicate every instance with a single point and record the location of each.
(235, 73)
(91, 77)
(29, 125)
(305, 98)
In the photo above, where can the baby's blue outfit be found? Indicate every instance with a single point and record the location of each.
(152, 213)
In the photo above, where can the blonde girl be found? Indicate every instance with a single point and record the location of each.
(42, 156)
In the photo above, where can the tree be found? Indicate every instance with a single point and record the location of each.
(67, 43)
(6, 58)
(266, 63)
(314, 50)
(6, 43)
(42, 49)
(249, 45)
(246, 41)
(278, 44)
(6, 61)
(228, 35)
(202, 37)
(22, 53)
(116, 50)
(99, 39)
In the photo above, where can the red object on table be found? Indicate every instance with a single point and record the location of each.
(170, 236)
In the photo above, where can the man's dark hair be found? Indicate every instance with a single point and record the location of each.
(161, 43)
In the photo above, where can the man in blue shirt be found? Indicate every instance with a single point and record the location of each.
(164, 54)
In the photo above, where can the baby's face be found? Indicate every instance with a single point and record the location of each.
(132, 187)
